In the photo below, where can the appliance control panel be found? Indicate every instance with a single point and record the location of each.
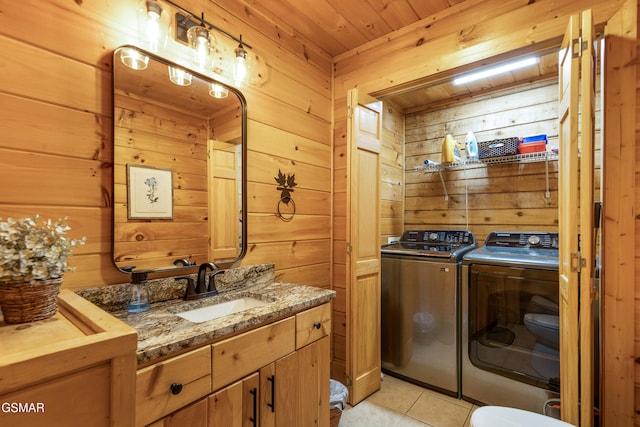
(534, 240)
(450, 237)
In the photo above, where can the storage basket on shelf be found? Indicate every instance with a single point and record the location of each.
(498, 147)
(26, 302)
(533, 144)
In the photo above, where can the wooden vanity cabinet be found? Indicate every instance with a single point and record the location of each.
(276, 375)
(76, 368)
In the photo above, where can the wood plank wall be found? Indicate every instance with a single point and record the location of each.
(620, 293)
(392, 189)
(56, 150)
(452, 42)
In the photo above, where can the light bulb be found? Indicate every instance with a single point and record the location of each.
(153, 24)
(153, 30)
(199, 38)
(241, 65)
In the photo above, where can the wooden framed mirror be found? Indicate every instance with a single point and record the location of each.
(179, 171)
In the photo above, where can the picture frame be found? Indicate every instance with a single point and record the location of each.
(150, 192)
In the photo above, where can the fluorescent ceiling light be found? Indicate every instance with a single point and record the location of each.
(496, 70)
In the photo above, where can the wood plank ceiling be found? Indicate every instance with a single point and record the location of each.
(338, 26)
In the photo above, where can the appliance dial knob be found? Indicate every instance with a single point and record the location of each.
(433, 237)
(534, 240)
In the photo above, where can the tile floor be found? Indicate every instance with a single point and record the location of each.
(402, 404)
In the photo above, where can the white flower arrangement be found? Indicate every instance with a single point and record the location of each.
(32, 249)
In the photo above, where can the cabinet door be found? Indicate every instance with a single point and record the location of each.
(279, 393)
(314, 373)
(194, 415)
(225, 406)
(235, 405)
(250, 399)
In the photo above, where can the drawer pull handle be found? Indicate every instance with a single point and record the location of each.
(317, 325)
(272, 405)
(254, 418)
(176, 388)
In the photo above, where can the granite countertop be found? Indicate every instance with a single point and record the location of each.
(161, 332)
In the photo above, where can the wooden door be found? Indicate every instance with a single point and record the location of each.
(576, 82)
(224, 200)
(363, 251)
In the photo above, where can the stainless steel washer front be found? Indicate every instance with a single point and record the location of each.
(420, 328)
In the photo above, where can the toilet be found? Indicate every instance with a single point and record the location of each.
(544, 325)
(500, 416)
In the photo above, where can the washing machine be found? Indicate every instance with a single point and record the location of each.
(420, 307)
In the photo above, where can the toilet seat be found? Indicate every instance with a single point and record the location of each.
(501, 416)
(544, 305)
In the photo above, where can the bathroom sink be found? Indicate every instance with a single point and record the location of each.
(222, 309)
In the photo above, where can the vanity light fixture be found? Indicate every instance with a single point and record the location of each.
(500, 69)
(134, 59)
(240, 68)
(179, 76)
(218, 91)
(185, 21)
(154, 28)
(153, 24)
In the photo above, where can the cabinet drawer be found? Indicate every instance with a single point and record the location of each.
(241, 355)
(155, 396)
(313, 324)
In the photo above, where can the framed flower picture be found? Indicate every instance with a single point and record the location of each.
(150, 192)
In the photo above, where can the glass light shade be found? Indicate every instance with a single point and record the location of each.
(241, 67)
(134, 59)
(179, 76)
(200, 40)
(218, 91)
(153, 25)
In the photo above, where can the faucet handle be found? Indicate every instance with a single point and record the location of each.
(191, 287)
(211, 286)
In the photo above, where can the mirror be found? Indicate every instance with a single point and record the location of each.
(179, 170)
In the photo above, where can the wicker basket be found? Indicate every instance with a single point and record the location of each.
(334, 419)
(24, 302)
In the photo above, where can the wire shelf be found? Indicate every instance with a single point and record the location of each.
(542, 156)
(516, 158)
